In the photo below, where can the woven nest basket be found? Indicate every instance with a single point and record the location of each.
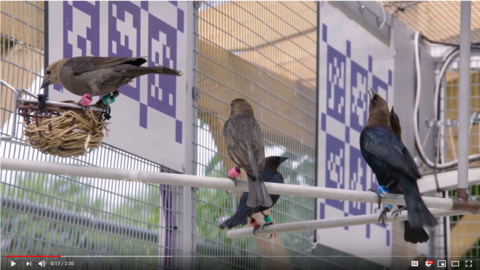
(61, 130)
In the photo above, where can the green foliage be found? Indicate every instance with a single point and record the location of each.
(215, 167)
(39, 233)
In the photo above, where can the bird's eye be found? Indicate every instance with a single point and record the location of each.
(49, 72)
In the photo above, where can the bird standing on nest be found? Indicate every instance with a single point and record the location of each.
(99, 75)
(270, 175)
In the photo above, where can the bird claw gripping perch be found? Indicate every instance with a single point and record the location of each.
(386, 208)
(268, 222)
(382, 190)
(398, 212)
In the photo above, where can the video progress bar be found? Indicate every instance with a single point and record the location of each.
(82, 256)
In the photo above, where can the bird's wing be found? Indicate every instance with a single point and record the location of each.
(410, 160)
(243, 199)
(385, 146)
(83, 64)
(244, 141)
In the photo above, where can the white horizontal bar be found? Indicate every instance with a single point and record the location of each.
(447, 180)
(329, 223)
(209, 182)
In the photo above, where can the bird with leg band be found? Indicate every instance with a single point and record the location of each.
(394, 168)
(270, 175)
(245, 147)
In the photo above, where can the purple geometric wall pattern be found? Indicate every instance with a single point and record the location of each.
(378, 84)
(124, 38)
(335, 164)
(358, 96)
(357, 180)
(162, 47)
(336, 81)
(81, 31)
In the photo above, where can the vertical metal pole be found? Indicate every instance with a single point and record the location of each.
(317, 124)
(464, 100)
(189, 225)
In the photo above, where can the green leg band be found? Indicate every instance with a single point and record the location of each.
(267, 219)
(108, 99)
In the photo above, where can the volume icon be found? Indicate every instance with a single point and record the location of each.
(42, 263)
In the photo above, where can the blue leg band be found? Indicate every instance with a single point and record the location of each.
(382, 191)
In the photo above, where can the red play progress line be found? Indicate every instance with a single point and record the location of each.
(32, 256)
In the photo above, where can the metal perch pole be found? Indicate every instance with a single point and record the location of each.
(225, 184)
(328, 223)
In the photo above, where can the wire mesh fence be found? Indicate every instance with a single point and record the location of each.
(264, 52)
(75, 216)
(464, 241)
(439, 21)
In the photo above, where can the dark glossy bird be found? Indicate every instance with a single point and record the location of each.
(99, 75)
(410, 235)
(395, 124)
(245, 148)
(392, 163)
(270, 175)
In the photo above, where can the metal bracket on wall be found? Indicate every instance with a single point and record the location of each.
(196, 93)
(473, 120)
(367, 15)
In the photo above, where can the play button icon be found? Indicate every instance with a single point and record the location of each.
(12, 263)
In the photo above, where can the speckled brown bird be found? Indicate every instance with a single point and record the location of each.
(98, 75)
(245, 148)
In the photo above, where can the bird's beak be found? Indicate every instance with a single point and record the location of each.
(46, 82)
(392, 111)
(371, 94)
(283, 159)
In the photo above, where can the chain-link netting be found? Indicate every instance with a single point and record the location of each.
(43, 214)
(264, 52)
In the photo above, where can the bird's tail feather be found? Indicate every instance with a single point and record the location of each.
(257, 193)
(418, 213)
(414, 236)
(155, 70)
(239, 217)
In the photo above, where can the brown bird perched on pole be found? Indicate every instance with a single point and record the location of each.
(98, 75)
(245, 148)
